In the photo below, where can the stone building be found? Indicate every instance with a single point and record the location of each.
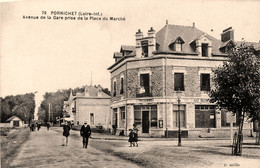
(146, 79)
(93, 105)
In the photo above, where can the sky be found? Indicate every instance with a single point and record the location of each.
(45, 55)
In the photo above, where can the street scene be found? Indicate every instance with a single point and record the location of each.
(43, 149)
(130, 84)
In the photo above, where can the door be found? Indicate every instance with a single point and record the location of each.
(145, 121)
(16, 123)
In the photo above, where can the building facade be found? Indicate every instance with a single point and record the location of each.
(93, 106)
(147, 80)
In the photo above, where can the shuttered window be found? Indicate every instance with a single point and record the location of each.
(178, 81)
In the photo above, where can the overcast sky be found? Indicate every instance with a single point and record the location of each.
(46, 55)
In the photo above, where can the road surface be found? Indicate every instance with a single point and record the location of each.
(43, 149)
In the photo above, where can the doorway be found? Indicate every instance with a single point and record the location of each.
(145, 121)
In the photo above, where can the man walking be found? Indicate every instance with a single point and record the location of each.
(66, 133)
(85, 132)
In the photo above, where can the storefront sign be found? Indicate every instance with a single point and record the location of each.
(201, 100)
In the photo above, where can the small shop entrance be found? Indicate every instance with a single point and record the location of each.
(145, 121)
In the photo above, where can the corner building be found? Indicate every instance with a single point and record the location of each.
(146, 78)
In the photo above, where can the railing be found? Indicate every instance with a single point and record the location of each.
(143, 93)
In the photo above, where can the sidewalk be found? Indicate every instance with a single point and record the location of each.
(125, 138)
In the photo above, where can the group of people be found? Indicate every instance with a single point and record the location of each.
(33, 126)
(85, 132)
(133, 137)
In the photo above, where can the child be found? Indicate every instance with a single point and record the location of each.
(135, 137)
(131, 137)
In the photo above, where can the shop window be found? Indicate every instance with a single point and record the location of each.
(144, 45)
(137, 115)
(205, 116)
(122, 86)
(178, 81)
(176, 117)
(204, 48)
(205, 82)
(114, 94)
(91, 118)
(154, 117)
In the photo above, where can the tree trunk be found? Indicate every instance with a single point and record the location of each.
(238, 138)
(258, 134)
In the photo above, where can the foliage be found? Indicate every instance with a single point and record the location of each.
(20, 105)
(238, 82)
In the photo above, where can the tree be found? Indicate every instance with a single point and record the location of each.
(237, 84)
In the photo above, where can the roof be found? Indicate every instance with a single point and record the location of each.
(168, 33)
(92, 91)
(127, 48)
(13, 117)
(118, 54)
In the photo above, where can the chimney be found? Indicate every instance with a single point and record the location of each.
(151, 32)
(193, 24)
(151, 41)
(138, 39)
(228, 34)
(139, 34)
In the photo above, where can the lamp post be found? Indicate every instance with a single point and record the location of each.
(179, 116)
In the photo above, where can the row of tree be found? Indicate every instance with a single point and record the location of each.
(22, 106)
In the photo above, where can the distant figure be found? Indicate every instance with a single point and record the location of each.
(38, 126)
(131, 138)
(32, 126)
(48, 126)
(135, 139)
(85, 132)
(66, 133)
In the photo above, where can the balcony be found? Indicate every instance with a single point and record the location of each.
(143, 92)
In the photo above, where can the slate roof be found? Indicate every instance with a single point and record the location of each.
(11, 118)
(127, 48)
(168, 33)
(92, 92)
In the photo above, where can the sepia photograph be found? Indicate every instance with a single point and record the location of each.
(128, 83)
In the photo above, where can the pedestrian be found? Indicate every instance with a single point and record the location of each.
(85, 132)
(48, 126)
(131, 137)
(135, 139)
(66, 133)
(38, 126)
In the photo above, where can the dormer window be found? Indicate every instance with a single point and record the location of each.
(204, 49)
(144, 45)
(176, 45)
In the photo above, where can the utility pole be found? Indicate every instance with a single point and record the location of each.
(49, 111)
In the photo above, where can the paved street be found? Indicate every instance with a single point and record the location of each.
(43, 149)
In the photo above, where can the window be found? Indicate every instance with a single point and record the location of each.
(115, 117)
(177, 47)
(137, 115)
(122, 86)
(178, 81)
(205, 116)
(114, 94)
(122, 111)
(154, 116)
(176, 116)
(144, 89)
(91, 118)
(205, 82)
(204, 48)
(144, 45)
